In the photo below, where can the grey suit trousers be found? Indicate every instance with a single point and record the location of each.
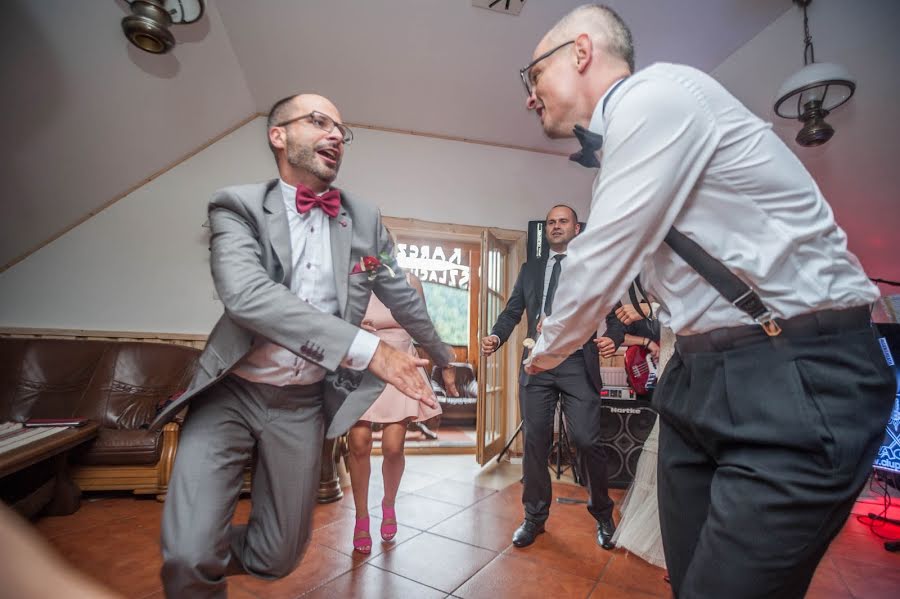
(235, 421)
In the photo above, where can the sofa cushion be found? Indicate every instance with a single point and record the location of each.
(114, 447)
(132, 379)
(48, 376)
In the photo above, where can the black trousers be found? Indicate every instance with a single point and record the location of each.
(765, 444)
(569, 383)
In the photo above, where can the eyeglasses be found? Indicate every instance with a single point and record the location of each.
(323, 122)
(525, 73)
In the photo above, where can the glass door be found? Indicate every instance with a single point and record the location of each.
(492, 370)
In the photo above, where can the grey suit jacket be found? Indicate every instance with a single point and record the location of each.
(251, 260)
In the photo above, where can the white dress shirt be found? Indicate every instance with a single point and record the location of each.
(681, 150)
(312, 280)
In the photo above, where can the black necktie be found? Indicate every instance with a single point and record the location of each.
(590, 143)
(554, 281)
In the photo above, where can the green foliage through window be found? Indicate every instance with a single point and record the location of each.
(449, 310)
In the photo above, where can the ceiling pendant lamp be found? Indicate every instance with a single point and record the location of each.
(811, 93)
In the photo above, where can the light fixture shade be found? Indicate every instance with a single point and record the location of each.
(148, 26)
(825, 82)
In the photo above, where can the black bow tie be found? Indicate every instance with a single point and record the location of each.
(590, 143)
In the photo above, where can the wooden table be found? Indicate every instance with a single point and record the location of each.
(26, 447)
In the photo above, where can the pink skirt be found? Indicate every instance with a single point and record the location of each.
(392, 405)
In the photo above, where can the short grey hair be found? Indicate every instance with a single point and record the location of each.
(603, 24)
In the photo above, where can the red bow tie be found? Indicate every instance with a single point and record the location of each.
(329, 202)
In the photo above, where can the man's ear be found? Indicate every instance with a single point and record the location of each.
(584, 51)
(577, 228)
(276, 137)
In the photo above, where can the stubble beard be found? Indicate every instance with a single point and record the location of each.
(305, 158)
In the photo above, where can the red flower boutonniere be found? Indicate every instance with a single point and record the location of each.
(371, 264)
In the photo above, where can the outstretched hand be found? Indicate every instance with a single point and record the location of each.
(402, 371)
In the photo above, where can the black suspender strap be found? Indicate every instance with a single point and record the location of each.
(723, 280)
(637, 294)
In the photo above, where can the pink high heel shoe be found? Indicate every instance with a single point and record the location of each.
(388, 522)
(362, 540)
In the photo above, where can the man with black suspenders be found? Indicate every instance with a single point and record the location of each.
(775, 403)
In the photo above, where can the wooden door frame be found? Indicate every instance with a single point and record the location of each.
(470, 234)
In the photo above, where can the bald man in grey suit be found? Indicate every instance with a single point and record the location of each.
(287, 363)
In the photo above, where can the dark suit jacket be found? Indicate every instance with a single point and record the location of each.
(526, 297)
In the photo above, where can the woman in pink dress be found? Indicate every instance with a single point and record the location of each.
(394, 410)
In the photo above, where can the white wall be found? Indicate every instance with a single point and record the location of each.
(857, 170)
(142, 264)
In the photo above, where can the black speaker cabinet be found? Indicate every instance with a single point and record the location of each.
(625, 426)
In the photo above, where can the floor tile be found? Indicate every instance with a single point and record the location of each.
(98, 510)
(608, 591)
(435, 561)
(870, 580)
(505, 502)
(325, 514)
(441, 466)
(376, 494)
(370, 582)
(509, 576)
(339, 536)
(457, 493)
(482, 529)
(496, 476)
(863, 545)
(631, 572)
(827, 583)
(234, 592)
(118, 554)
(420, 512)
(319, 566)
(566, 549)
(412, 481)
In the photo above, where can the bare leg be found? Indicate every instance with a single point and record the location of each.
(392, 440)
(360, 441)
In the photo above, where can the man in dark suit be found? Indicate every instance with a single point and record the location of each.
(576, 382)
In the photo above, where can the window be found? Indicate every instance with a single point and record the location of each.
(443, 269)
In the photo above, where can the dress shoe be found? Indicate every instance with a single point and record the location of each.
(605, 531)
(525, 534)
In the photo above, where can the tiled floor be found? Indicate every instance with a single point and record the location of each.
(448, 436)
(456, 521)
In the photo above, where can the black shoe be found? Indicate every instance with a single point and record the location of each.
(605, 531)
(525, 534)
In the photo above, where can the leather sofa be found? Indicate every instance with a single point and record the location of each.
(117, 384)
(460, 410)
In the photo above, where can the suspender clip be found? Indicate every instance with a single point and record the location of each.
(750, 303)
(768, 324)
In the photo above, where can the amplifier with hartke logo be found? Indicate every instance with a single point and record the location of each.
(624, 426)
